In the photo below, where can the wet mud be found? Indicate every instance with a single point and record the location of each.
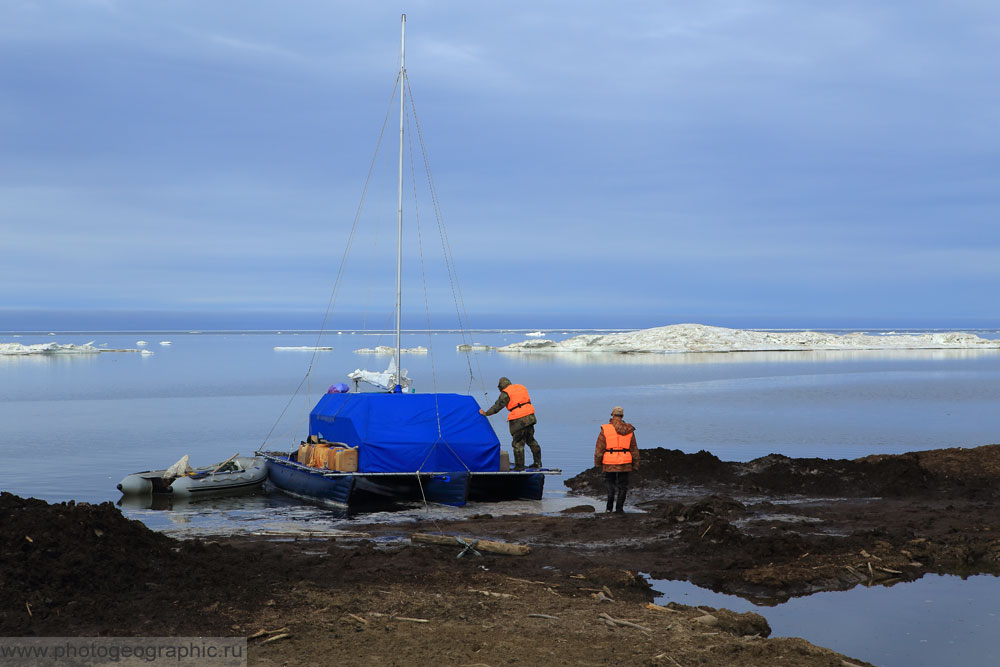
(766, 529)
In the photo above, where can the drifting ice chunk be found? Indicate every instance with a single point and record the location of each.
(48, 348)
(165, 342)
(466, 347)
(385, 349)
(141, 343)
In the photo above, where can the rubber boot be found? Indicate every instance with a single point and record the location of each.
(519, 460)
(611, 504)
(536, 455)
(620, 506)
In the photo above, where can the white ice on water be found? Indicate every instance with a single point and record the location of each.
(474, 347)
(702, 338)
(48, 348)
(385, 349)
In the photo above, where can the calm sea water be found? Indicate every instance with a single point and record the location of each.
(99, 417)
(72, 426)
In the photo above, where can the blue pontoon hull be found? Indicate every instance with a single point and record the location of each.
(358, 488)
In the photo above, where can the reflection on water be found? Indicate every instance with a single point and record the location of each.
(937, 620)
(13, 360)
(273, 513)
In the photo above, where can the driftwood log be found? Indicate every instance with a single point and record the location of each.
(481, 545)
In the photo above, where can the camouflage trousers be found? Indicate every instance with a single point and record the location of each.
(522, 437)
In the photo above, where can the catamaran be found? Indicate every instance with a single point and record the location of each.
(393, 443)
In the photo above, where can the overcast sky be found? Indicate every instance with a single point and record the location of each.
(740, 163)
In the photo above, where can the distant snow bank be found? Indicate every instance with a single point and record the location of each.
(49, 348)
(701, 338)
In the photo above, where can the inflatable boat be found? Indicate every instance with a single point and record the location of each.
(236, 474)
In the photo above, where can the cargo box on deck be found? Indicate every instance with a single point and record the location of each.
(347, 459)
(319, 456)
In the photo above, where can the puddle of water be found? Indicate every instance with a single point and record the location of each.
(937, 620)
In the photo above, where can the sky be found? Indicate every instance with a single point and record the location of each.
(764, 163)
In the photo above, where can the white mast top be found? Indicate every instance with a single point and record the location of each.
(399, 218)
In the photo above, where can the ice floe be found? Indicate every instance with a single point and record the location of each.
(49, 348)
(165, 342)
(702, 338)
(385, 349)
(302, 348)
(535, 334)
(141, 343)
(466, 347)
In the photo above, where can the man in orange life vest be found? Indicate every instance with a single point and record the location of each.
(520, 419)
(618, 452)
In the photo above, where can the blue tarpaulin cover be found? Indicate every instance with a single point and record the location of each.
(399, 432)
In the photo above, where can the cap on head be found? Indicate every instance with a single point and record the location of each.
(617, 411)
(503, 383)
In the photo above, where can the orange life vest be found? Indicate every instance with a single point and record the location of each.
(617, 447)
(518, 403)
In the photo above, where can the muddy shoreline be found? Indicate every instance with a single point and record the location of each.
(767, 530)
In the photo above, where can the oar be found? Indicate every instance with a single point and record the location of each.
(224, 463)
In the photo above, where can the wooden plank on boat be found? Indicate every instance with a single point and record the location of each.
(481, 545)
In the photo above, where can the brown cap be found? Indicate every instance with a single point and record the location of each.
(618, 411)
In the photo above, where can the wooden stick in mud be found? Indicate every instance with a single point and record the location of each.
(482, 545)
(262, 632)
(618, 621)
(491, 594)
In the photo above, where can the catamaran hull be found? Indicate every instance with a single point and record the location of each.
(452, 488)
(309, 483)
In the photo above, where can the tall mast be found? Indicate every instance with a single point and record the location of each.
(399, 218)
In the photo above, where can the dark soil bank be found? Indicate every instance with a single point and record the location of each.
(378, 599)
(941, 473)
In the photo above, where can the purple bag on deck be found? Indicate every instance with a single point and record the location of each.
(339, 388)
